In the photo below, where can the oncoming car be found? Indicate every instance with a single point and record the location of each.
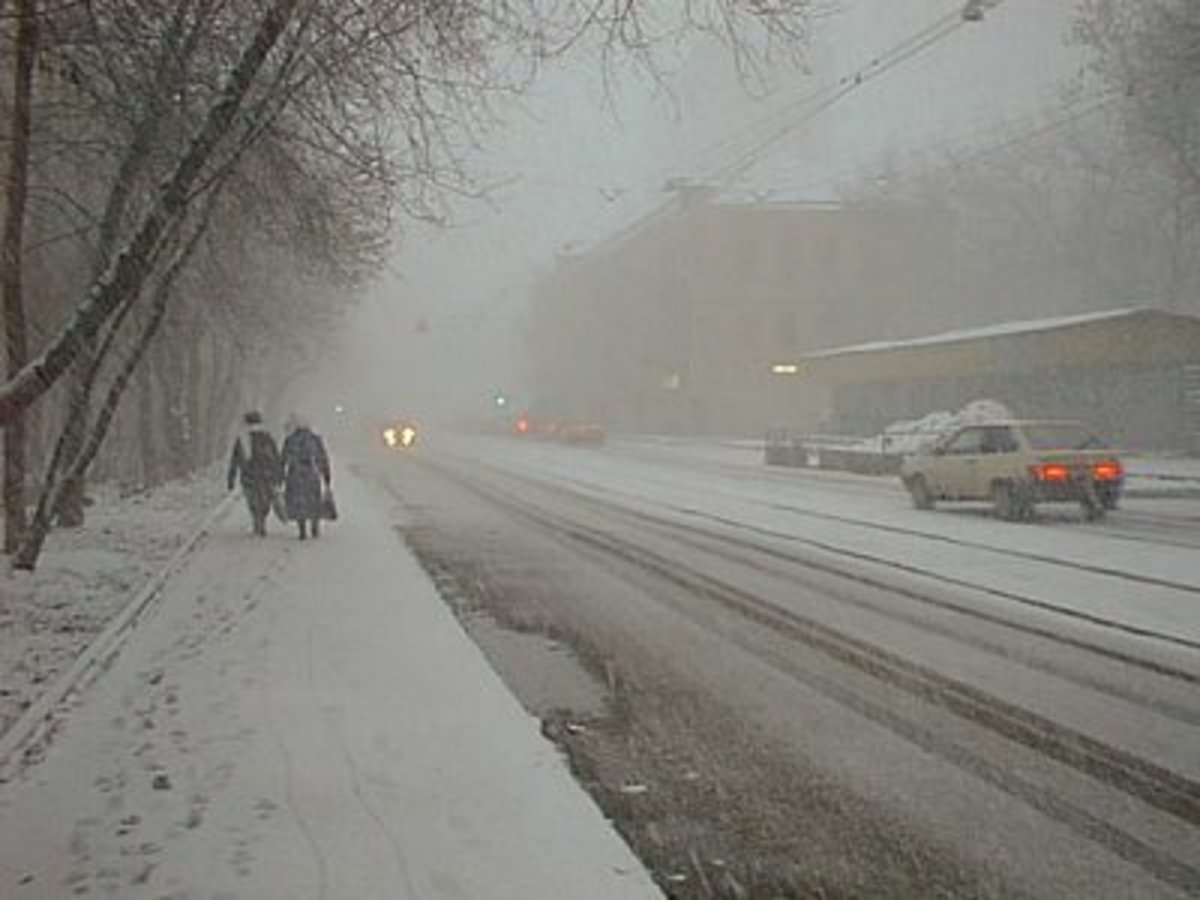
(1016, 465)
(400, 435)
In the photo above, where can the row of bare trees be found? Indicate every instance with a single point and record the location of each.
(1098, 205)
(1147, 52)
(194, 187)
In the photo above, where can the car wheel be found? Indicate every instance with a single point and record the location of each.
(1091, 501)
(1007, 502)
(1109, 497)
(922, 497)
(1093, 508)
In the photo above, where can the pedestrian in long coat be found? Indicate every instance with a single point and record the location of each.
(255, 463)
(306, 475)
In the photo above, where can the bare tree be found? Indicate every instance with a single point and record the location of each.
(326, 119)
(77, 465)
(1048, 222)
(124, 277)
(1148, 53)
(12, 264)
(332, 68)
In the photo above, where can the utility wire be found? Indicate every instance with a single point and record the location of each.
(1100, 103)
(812, 104)
(1097, 103)
(808, 107)
(967, 151)
(872, 72)
(709, 158)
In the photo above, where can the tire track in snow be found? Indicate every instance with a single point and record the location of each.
(352, 767)
(582, 490)
(289, 780)
(1127, 773)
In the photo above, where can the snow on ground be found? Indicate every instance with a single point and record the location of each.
(300, 720)
(1149, 474)
(962, 542)
(737, 451)
(86, 575)
(1162, 475)
(1165, 467)
(1000, 329)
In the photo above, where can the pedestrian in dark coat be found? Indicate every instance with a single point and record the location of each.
(306, 475)
(255, 463)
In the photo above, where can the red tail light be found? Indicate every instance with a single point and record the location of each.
(1051, 472)
(1108, 470)
(522, 425)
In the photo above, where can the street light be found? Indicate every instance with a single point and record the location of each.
(974, 10)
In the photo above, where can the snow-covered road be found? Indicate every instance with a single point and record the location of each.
(781, 681)
(1016, 702)
(1140, 570)
(304, 720)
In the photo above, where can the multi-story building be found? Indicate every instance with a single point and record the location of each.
(674, 324)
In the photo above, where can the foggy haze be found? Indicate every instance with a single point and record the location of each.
(757, 457)
(580, 158)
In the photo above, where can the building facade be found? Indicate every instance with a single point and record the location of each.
(1134, 374)
(673, 325)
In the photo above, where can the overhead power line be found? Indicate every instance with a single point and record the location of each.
(972, 152)
(1100, 103)
(711, 159)
(781, 123)
(872, 72)
(966, 151)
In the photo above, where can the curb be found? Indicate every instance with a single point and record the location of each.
(96, 657)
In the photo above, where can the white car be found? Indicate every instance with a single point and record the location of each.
(1016, 465)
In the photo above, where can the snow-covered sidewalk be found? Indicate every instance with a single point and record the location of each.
(86, 576)
(304, 720)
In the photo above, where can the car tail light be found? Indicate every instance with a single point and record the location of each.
(1051, 472)
(1108, 470)
(523, 426)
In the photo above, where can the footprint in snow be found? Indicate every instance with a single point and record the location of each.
(265, 808)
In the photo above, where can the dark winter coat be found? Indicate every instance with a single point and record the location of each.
(305, 467)
(255, 462)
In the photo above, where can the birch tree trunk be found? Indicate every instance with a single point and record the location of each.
(147, 445)
(26, 556)
(11, 282)
(132, 266)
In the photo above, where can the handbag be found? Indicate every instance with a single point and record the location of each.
(329, 508)
(279, 504)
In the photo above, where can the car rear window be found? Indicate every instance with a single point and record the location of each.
(1061, 437)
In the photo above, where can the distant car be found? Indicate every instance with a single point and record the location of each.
(526, 425)
(1016, 465)
(579, 433)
